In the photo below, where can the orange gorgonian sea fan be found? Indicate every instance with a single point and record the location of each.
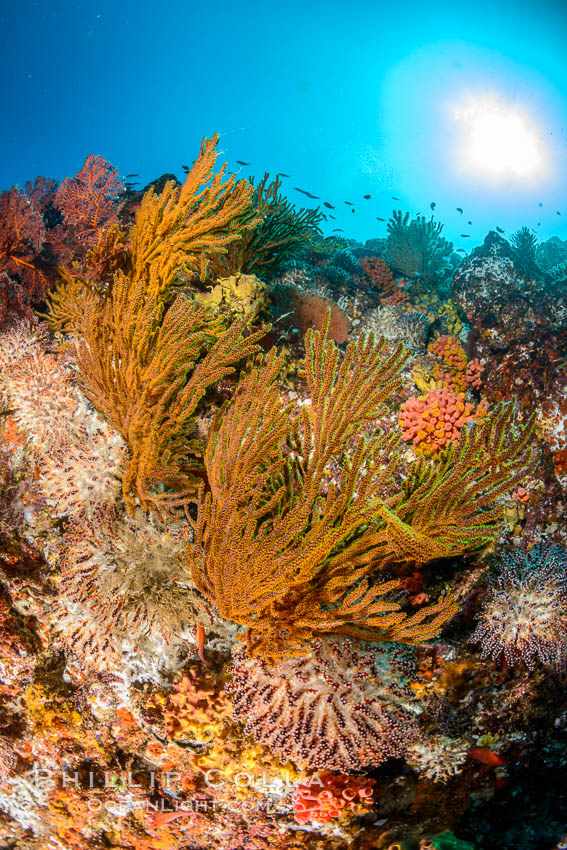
(146, 352)
(298, 512)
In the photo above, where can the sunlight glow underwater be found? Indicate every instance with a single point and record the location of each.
(500, 140)
(466, 126)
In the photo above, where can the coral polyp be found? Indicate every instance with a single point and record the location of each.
(339, 709)
(524, 619)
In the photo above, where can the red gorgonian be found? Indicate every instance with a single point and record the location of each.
(41, 192)
(88, 200)
(22, 238)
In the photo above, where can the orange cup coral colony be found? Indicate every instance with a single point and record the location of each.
(433, 420)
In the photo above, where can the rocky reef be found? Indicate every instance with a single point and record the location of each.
(283, 552)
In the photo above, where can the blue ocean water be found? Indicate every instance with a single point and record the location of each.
(350, 99)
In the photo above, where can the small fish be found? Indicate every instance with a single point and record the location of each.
(201, 643)
(465, 235)
(131, 175)
(240, 162)
(486, 756)
(131, 185)
(304, 192)
(380, 219)
(353, 210)
(460, 210)
(432, 205)
(367, 197)
(461, 251)
(557, 212)
(394, 198)
(338, 230)
(539, 224)
(349, 203)
(469, 222)
(185, 167)
(499, 229)
(332, 216)
(281, 174)
(327, 204)
(540, 205)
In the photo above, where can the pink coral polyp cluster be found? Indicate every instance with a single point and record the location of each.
(473, 374)
(432, 421)
(326, 796)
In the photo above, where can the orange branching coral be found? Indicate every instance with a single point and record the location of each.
(146, 356)
(183, 228)
(454, 505)
(69, 301)
(326, 796)
(72, 298)
(273, 553)
(434, 420)
(283, 543)
(147, 373)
